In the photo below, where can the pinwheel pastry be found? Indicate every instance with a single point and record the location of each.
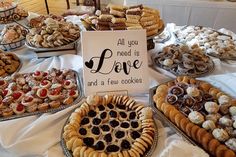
(203, 112)
(183, 60)
(37, 91)
(109, 125)
(215, 43)
(50, 33)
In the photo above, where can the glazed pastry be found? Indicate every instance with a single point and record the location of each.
(213, 117)
(223, 99)
(209, 125)
(42, 92)
(54, 104)
(193, 91)
(196, 117)
(43, 106)
(231, 143)
(220, 134)
(225, 121)
(18, 108)
(37, 75)
(232, 110)
(211, 107)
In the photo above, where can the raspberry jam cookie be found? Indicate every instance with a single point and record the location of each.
(110, 125)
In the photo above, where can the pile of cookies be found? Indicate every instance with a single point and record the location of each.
(110, 126)
(125, 18)
(38, 91)
(203, 112)
(51, 33)
(9, 63)
(183, 60)
(215, 43)
(19, 14)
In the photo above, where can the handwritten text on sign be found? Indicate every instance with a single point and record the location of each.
(115, 61)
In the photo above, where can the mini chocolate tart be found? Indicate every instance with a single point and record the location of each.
(103, 116)
(188, 101)
(121, 107)
(95, 131)
(119, 134)
(88, 141)
(96, 121)
(100, 146)
(112, 148)
(105, 129)
(83, 131)
(92, 113)
(132, 115)
(108, 138)
(101, 108)
(134, 134)
(176, 90)
(135, 125)
(122, 116)
(85, 121)
(171, 98)
(125, 125)
(125, 144)
(110, 106)
(113, 114)
(185, 110)
(114, 123)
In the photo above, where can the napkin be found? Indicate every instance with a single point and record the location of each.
(179, 148)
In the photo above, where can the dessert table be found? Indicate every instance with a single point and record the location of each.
(39, 136)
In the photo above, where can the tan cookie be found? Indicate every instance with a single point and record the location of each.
(13, 56)
(152, 32)
(10, 69)
(167, 109)
(137, 149)
(205, 140)
(188, 129)
(2, 63)
(2, 72)
(76, 151)
(194, 130)
(220, 150)
(152, 27)
(77, 143)
(212, 145)
(134, 27)
(118, 7)
(137, 17)
(125, 153)
(133, 21)
(183, 124)
(172, 115)
(142, 142)
(118, 20)
(229, 153)
(88, 151)
(15, 63)
(137, 144)
(147, 18)
(105, 17)
(205, 86)
(69, 143)
(200, 133)
(82, 150)
(117, 13)
(178, 118)
(214, 91)
(148, 23)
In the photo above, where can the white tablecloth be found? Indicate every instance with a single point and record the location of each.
(39, 136)
(212, 13)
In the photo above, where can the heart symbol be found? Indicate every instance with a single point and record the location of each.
(89, 64)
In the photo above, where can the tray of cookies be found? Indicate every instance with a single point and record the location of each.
(12, 36)
(116, 17)
(109, 125)
(180, 59)
(7, 8)
(38, 92)
(51, 33)
(9, 63)
(217, 44)
(203, 114)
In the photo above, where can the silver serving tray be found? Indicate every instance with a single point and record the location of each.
(52, 110)
(173, 74)
(68, 153)
(220, 57)
(164, 119)
(41, 49)
(159, 32)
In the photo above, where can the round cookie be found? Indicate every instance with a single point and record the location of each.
(229, 153)
(2, 72)
(200, 133)
(183, 124)
(189, 128)
(220, 150)
(178, 118)
(212, 145)
(167, 109)
(172, 115)
(10, 69)
(194, 130)
(206, 139)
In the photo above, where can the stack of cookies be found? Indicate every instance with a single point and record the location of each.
(118, 20)
(150, 20)
(133, 15)
(103, 22)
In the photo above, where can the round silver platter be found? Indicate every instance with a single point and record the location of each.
(68, 153)
(159, 32)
